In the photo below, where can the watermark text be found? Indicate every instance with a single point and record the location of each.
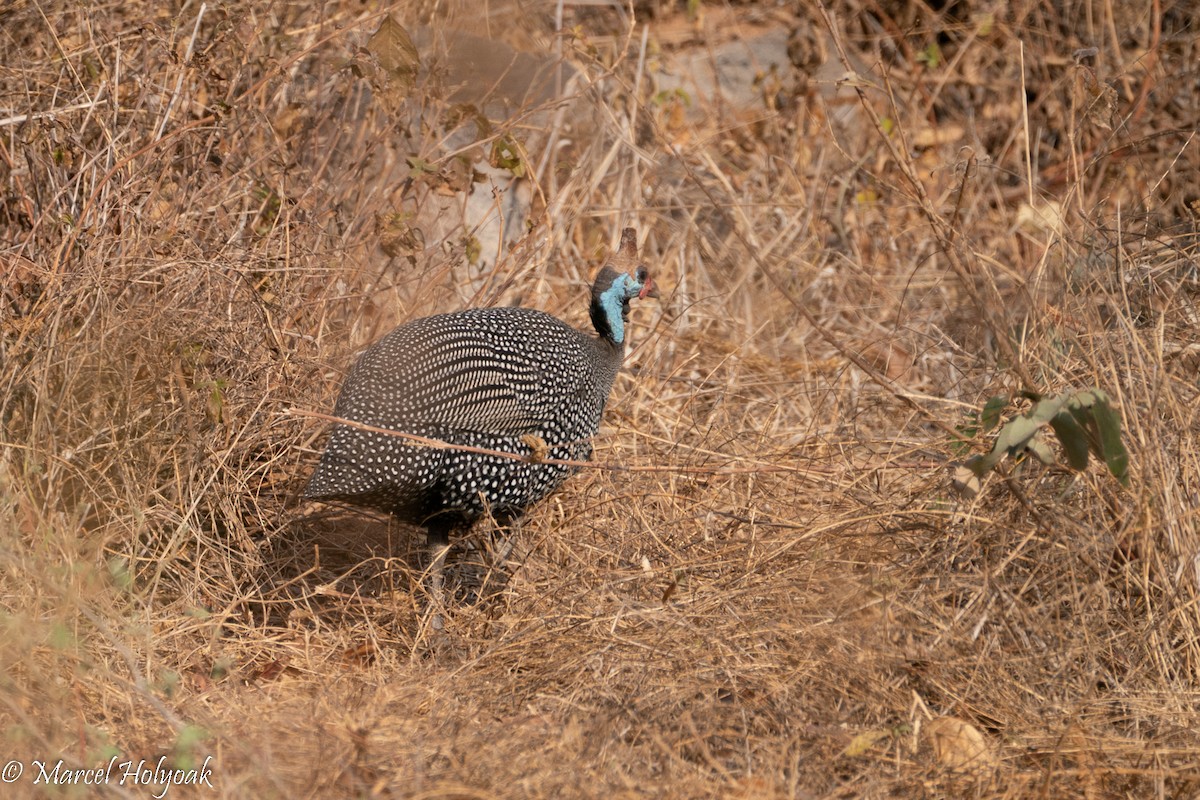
(156, 776)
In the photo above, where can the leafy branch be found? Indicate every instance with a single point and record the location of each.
(1085, 424)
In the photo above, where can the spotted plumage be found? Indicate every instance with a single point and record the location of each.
(502, 379)
(489, 378)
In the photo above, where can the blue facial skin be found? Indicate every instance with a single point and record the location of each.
(613, 301)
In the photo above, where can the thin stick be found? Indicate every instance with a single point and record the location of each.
(187, 57)
(1025, 119)
(532, 458)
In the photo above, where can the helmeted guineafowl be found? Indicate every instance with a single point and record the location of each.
(513, 380)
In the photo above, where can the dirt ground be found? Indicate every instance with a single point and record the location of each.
(779, 580)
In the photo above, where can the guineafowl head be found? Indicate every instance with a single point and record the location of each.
(619, 281)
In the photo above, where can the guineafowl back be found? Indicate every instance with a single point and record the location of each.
(496, 378)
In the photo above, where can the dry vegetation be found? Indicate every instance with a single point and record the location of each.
(207, 209)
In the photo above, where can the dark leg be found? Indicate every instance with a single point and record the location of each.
(437, 545)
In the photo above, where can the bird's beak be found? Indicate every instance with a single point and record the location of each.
(648, 290)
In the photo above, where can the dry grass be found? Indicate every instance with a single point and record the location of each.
(772, 592)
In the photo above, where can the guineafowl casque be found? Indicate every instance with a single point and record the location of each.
(513, 380)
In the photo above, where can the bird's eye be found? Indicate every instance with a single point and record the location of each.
(641, 274)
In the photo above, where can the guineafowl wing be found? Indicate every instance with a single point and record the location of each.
(498, 370)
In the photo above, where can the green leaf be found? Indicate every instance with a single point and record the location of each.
(472, 249)
(1043, 452)
(1045, 410)
(1073, 438)
(506, 154)
(168, 682)
(118, 571)
(419, 166)
(1112, 449)
(671, 95)
(1081, 414)
(1014, 437)
(215, 409)
(1087, 398)
(61, 637)
(990, 417)
(962, 445)
(982, 465)
(1084, 422)
(188, 741)
(931, 56)
(864, 741)
(1094, 413)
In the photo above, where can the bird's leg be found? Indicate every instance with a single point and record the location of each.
(437, 545)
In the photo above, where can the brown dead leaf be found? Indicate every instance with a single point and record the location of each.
(1097, 99)
(270, 671)
(360, 655)
(1045, 217)
(960, 746)
(964, 482)
(395, 52)
(20, 283)
(538, 449)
